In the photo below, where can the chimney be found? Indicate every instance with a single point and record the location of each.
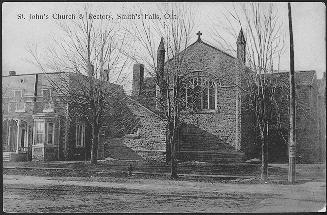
(241, 44)
(12, 73)
(106, 73)
(138, 77)
(90, 70)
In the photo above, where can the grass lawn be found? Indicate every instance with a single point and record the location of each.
(119, 168)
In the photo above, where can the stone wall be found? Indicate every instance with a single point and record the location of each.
(224, 122)
(306, 132)
(307, 124)
(306, 121)
(321, 103)
(149, 139)
(220, 123)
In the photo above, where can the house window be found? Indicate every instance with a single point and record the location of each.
(50, 133)
(20, 107)
(48, 107)
(16, 107)
(39, 132)
(46, 93)
(47, 100)
(80, 135)
(198, 94)
(18, 94)
(12, 107)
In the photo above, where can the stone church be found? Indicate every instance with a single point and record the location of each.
(217, 123)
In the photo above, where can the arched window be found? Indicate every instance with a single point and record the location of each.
(197, 94)
(80, 135)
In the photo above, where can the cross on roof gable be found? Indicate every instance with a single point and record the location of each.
(199, 35)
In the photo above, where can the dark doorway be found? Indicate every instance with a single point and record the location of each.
(22, 138)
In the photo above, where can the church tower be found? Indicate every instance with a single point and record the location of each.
(160, 72)
(160, 62)
(241, 47)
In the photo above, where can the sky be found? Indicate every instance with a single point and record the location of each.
(308, 26)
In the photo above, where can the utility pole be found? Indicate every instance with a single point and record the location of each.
(292, 143)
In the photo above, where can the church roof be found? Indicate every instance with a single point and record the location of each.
(207, 44)
(301, 77)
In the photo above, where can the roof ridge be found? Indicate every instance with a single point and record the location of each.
(205, 43)
(287, 71)
(22, 74)
(214, 47)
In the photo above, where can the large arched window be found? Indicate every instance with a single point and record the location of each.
(198, 93)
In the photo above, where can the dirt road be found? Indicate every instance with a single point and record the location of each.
(99, 194)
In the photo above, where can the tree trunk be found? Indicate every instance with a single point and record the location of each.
(173, 140)
(173, 157)
(95, 142)
(168, 143)
(264, 158)
(264, 162)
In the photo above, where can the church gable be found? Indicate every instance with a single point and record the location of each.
(205, 60)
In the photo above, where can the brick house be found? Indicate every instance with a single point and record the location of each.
(37, 124)
(218, 125)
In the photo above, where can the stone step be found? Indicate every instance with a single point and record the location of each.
(218, 155)
(215, 157)
(201, 140)
(204, 144)
(6, 156)
(205, 148)
(199, 136)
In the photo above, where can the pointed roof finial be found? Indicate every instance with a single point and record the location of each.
(199, 35)
(240, 38)
(161, 45)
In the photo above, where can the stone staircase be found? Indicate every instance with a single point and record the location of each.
(6, 156)
(204, 147)
(211, 156)
(14, 156)
(116, 149)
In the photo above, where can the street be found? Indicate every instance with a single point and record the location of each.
(107, 194)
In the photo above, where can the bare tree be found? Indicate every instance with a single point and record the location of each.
(89, 50)
(263, 30)
(173, 30)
